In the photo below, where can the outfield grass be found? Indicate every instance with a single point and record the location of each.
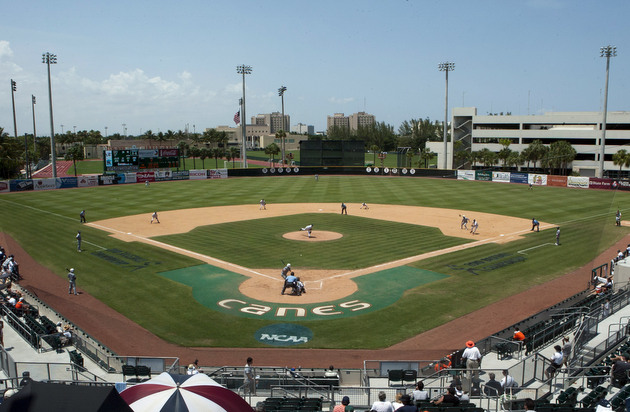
(45, 224)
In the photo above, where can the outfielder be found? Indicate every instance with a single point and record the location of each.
(308, 229)
(78, 237)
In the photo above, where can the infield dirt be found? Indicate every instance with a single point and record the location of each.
(321, 285)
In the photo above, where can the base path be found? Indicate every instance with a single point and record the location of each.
(322, 285)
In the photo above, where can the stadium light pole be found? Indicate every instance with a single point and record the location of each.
(607, 52)
(48, 59)
(34, 130)
(281, 91)
(243, 69)
(446, 67)
(13, 90)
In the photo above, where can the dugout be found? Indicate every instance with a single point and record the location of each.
(332, 153)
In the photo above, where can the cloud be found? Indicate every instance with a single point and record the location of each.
(341, 100)
(5, 49)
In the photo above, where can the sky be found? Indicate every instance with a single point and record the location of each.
(163, 65)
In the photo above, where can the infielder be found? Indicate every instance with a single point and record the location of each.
(474, 227)
(464, 224)
(364, 206)
(263, 205)
(82, 217)
(618, 218)
(344, 209)
(285, 271)
(558, 236)
(308, 229)
(154, 217)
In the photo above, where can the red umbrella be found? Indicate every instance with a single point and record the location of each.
(190, 393)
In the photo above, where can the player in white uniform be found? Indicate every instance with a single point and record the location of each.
(364, 206)
(285, 271)
(154, 217)
(308, 229)
(263, 205)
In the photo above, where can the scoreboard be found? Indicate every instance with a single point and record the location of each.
(130, 160)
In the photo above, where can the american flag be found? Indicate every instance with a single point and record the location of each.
(237, 117)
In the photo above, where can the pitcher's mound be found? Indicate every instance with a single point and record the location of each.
(316, 236)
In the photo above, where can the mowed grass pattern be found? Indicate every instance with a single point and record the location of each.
(365, 241)
(45, 224)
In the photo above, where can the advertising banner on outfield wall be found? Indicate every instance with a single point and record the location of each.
(518, 177)
(556, 181)
(501, 177)
(465, 175)
(87, 181)
(21, 185)
(537, 180)
(161, 175)
(45, 184)
(142, 177)
(66, 182)
(221, 173)
(485, 175)
(580, 182)
(599, 183)
(105, 180)
(621, 185)
(127, 177)
(4, 186)
(180, 175)
(197, 174)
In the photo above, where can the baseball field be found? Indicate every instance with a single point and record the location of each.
(208, 275)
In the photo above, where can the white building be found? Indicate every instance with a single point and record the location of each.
(302, 128)
(581, 129)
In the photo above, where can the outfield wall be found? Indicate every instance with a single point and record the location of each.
(533, 179)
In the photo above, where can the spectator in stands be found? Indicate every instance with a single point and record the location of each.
(59, 328)
(381, 405)
(556, 362)
(12, 301)
(345, 406)
(397, 404)
(493, 387)
(619, 371)
(529, 404)
(449, 397)
(191, 370)
(508, 381)
(249, 379)
(407, 405)
(606, 308)
(461, 394)
(21, 306)
(26, 378)
(66, 336)
(567, 346)
(473, 359)
(331, 373)
(1, 333)
(518, 335)
(419, 394)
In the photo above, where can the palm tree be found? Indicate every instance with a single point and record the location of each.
(217, 153)
(273, 149)
(74, 153)
(194, 152)
(425, 156)
(234, 154)
(204, 153)
(149, 135)
(280, 134)
(561, 154)
(621, 159)
(505, 152)
(183, 148)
